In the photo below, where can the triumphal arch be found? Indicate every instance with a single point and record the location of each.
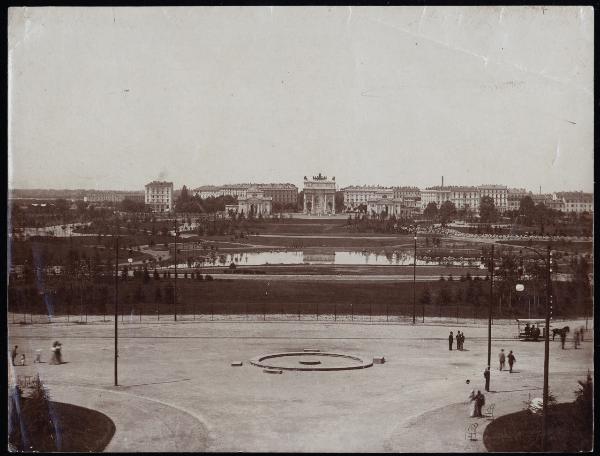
(319, 195)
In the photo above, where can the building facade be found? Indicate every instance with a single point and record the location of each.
(356, 195)
(113, 197)
(577, 202)
(207, 191)
(319, 195)
(384, 204)
(283, 194)
(235, 190)
(514, 197)
(159, 196)
(437, 195)
(255, 203)
(499, 193)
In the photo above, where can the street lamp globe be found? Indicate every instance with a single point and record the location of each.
(520, 287)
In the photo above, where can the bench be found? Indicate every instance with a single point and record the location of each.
(471, 431)
(24, 380)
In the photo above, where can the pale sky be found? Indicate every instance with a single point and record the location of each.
(112, 98)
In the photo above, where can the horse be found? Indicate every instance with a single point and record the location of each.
(561, 332)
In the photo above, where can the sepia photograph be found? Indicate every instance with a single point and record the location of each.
(307, 229)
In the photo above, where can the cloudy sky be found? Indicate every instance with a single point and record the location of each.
(111, 98)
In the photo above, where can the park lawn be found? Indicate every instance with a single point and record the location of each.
(521, 431)
(52, 251)
(81, 429)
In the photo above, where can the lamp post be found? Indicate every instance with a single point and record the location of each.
(116, 305)
(548, 261)
(491, 268)
(415, 281)
(175, 286)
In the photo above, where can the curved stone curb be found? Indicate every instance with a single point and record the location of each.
(258, 361)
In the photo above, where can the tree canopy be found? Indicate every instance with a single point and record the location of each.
(487, 210)
(447, 211)
(431, 211)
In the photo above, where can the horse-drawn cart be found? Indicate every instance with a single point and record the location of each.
(531, 329)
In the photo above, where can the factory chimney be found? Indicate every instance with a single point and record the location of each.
(442, 182)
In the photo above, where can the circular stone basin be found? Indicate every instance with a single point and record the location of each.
(320, 361)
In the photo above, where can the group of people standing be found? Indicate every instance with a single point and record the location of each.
(55, 358)
(460, 340)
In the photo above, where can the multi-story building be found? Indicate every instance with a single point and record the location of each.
(282, 194)
(112, 197)
(577, 202)
(543, 198)
(159, 196)
(407, 192)
(514, 197)
(437, 195)
(236, 190)
(207, 191)
(356, 195)
(466, 198)
(498, 193)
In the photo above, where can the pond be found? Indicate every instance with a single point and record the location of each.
(337, 257)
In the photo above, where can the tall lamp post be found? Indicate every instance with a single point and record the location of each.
(175, 286)
(491, 268)
(520, 287)
(116, 304)
(415, 281)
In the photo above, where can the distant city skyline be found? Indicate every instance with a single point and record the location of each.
(113, 98)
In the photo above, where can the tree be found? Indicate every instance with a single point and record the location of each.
(527, 207)
(128, 205)
(447, 211)
(431, 211)
(487, 210)
(339, 201)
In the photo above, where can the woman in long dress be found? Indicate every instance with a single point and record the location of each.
(56, 357)
(473, 404)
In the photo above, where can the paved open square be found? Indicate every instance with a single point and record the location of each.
(179, 391)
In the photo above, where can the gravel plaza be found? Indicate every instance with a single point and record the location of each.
(179, 392)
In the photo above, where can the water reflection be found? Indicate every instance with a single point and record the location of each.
(338, 257)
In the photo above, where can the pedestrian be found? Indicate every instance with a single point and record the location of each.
(22, 362)
(473, 404)
(458, 340)
(511, 361)
(450, 341)
(576, 339)
(13, 354)
(56, 354)
(480, 402)
(462, 340)
(486, 375)
(563, 338)
(502, 359)
(38, 356)
(581, 330)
